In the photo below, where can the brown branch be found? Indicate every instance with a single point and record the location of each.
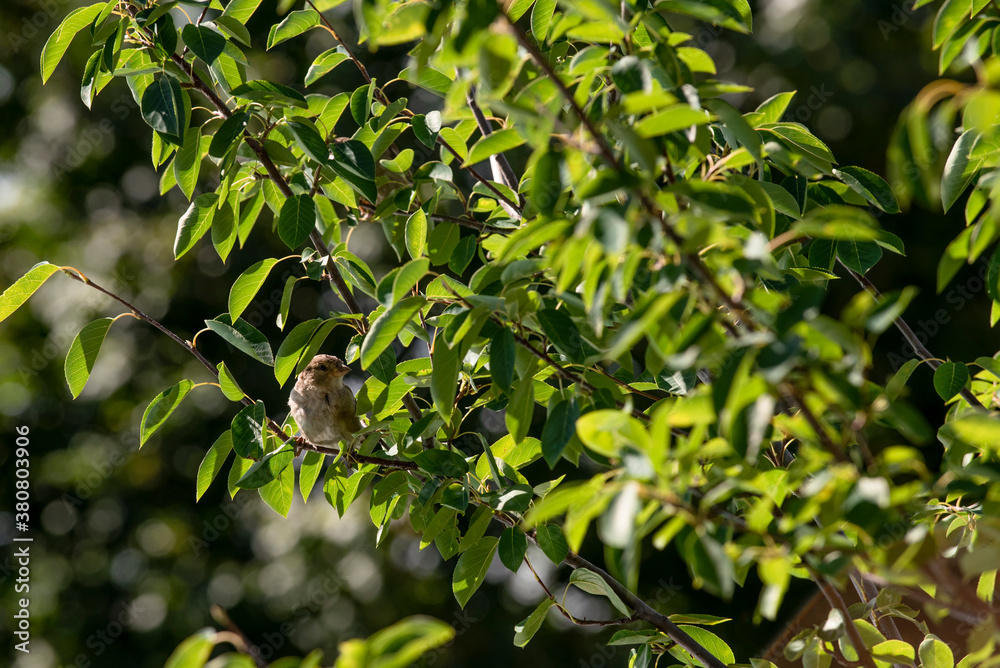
(835, 600)
(350, 54)
(482, 179)
(908, 334)
(502, 171)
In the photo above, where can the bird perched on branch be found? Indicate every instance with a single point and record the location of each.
(323, 407)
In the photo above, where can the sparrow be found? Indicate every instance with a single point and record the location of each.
(324, 408)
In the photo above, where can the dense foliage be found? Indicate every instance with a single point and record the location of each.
(605, 270)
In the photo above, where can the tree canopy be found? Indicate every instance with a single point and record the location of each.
(615, 332)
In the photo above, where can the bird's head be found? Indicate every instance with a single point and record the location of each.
(327, 366)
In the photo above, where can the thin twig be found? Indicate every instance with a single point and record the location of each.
(908, 334)
(835, 600)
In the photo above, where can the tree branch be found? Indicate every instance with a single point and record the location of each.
(908, 334)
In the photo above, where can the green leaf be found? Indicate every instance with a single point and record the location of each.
(416, 233)
(526, 630)
(552, 541)
(224, 230)
(241, 10)
(309, 140)
(195, 222)
(309, 470)
(960, 169)
(233, 28)
(94, 79)
(278, 493)
(267, 469)
(464, 252)
(493, 143)
(443, 463)
(230, 388)
(512, 548)
(894, 650)
(83, 353)
(446, 363)
(194, 651)
(977, 429)
(269, 93)
(243, 336)
(502, 351)
(324, 64)
(948, 19)
(949, 379)
(426, 128)
(353, 162)
(296, 220)
(293, 25)
(231, 129)
(408, 277)
(774, 107)
(895, 386)
(671, 119)
(561, 329)
(57, 43)
(401, 163)
(470, 572)
(427, 78)
(187, 164)
(731, 14)
(248, 431)
(213, 462)
(520, 409)
(160, 408)
(541, 19)
(386, 327)
(247, 285)
(711, 642)
(24, 287)
(442, 242)
(734, 123)
(859, 256)
(163, 106)
(869, 185)
(934, 653)
(361, 103)
(203, 42)
(592, 583)
(559, 430)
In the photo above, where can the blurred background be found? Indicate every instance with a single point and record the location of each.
(126, 564)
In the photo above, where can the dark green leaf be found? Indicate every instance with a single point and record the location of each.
(426, 128)
(443, 463)
(512, 548)
(502, 351)
(268, 93)
(267, 469)
(228, 132)
(869, 185)
(248, 431)
(213, 462)
(163, 106)
(353, 162)
(203, 42)
(949, 379)
(309, 139)
(559, 429)
(552, 541)
(859, 256)
(296, 220)
(324, 64)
